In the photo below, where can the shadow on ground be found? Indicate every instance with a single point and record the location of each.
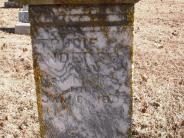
(7, 29)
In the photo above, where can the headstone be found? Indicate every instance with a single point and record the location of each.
(24, 14)
(82, 54)
(23, 26)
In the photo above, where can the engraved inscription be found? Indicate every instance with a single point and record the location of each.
(85, 71)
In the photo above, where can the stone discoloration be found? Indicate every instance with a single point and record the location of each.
(41, 2)
(84, 86)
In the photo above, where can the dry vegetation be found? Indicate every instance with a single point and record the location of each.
(159, 69)
(158, 74)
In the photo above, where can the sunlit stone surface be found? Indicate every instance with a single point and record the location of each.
(83, 69)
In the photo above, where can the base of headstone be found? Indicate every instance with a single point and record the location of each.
(22, 28)
(12, 5)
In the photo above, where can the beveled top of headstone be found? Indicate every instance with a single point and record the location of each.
(42, 2)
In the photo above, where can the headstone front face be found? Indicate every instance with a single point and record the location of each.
(24, 14)
(83, 69)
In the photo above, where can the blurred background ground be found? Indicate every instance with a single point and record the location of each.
(158, 74)
(18, 109)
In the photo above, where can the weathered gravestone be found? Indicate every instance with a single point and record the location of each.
(82, 54)
(24, 14)
(23, 26)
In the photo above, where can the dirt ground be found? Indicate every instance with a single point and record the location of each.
(158, 74)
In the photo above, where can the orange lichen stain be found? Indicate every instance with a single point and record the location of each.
(48, 110)
(62, 99)
(37, 76)
(63, 103)
(131, 16)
